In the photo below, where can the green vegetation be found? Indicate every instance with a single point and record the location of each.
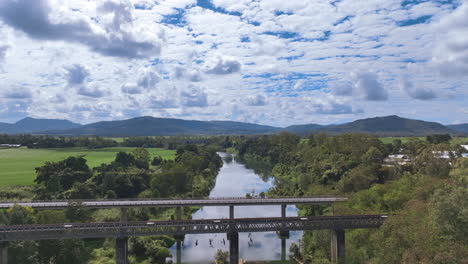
(190, 171)
(426, 196)
(17, 165)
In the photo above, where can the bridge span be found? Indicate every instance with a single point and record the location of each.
(217, 201)
(182, 227)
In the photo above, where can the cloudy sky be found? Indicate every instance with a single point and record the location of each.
(272, 62)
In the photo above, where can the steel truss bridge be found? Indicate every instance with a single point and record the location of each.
(220, 201)
(178, 228)
(182, 227)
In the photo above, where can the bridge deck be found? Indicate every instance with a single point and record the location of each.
(125, 229)
(174, 203)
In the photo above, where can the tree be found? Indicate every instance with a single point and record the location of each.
(221, 256)
(439, 138)
(60, 176)
(157, 161)
(142, 158)
(124, 159)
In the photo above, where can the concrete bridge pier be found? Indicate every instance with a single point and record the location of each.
(338, 246)
(121, 250)
(283, 249)
(231, 212)
(121, 243)
(179, 242)
(3, 252)
(233, 247)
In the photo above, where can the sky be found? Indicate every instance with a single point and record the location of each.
(270, 62)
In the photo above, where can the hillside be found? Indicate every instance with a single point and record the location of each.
(151, 126)
(390, 126)
(303, 129)
(460, 127)
(32, 125)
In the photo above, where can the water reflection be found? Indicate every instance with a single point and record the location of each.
(235, 180)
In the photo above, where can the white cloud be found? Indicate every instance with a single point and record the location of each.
(17, 92)
(419, 93)
(35, 19)
(301, 57)
(256, 100)
(223, 65)
(368, 84)
(76, 74)
(451, 56)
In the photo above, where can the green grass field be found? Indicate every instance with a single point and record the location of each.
(17, 165)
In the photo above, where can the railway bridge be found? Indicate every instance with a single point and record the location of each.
(179, 227)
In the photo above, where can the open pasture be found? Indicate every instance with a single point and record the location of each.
(17, 165)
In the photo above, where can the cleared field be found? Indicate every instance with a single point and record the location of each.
(17, 165)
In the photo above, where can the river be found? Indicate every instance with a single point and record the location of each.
(235, 180)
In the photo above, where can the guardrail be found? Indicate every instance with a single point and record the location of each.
(221, 201)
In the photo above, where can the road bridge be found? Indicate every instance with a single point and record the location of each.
(216, 201)
(122, 230)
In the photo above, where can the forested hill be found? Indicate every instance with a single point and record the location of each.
(460, 127)
(303, 129)
(151, 126)
(32, 125)
(390, 126)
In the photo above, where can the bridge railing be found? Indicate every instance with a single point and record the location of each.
(168, 202)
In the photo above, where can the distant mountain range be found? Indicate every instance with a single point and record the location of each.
(152, 126)
(461, 127)
(30, 125)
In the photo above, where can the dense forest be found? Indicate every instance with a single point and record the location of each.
(96, 142)
(425, 195)
(191, 174)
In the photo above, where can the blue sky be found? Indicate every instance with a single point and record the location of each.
(272, 62)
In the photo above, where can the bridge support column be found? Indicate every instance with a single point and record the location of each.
(123, 214)
(231, 212)
(121, 243)
(3, 252)
(283, 210)
(338, 246)
(179, 242)
(178, 213)
(179, 251)
(233, 248)
(283, 249)
(121, 250)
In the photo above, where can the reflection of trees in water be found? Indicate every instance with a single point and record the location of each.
(262, 168)
(228, 158)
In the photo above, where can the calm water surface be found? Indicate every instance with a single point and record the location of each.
(235, 180)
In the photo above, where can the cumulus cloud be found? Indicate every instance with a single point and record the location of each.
(3, 50)
(76, 74)
(181, 73)
(417, 92)
(130, 88)
(223, 65)
(90, 91)
(368, 84)
(332, 107)
(17, 93)
(256, 100)
(342, 89)
(194, 96)
(34, 19)
(451, 57)
(146, 81)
